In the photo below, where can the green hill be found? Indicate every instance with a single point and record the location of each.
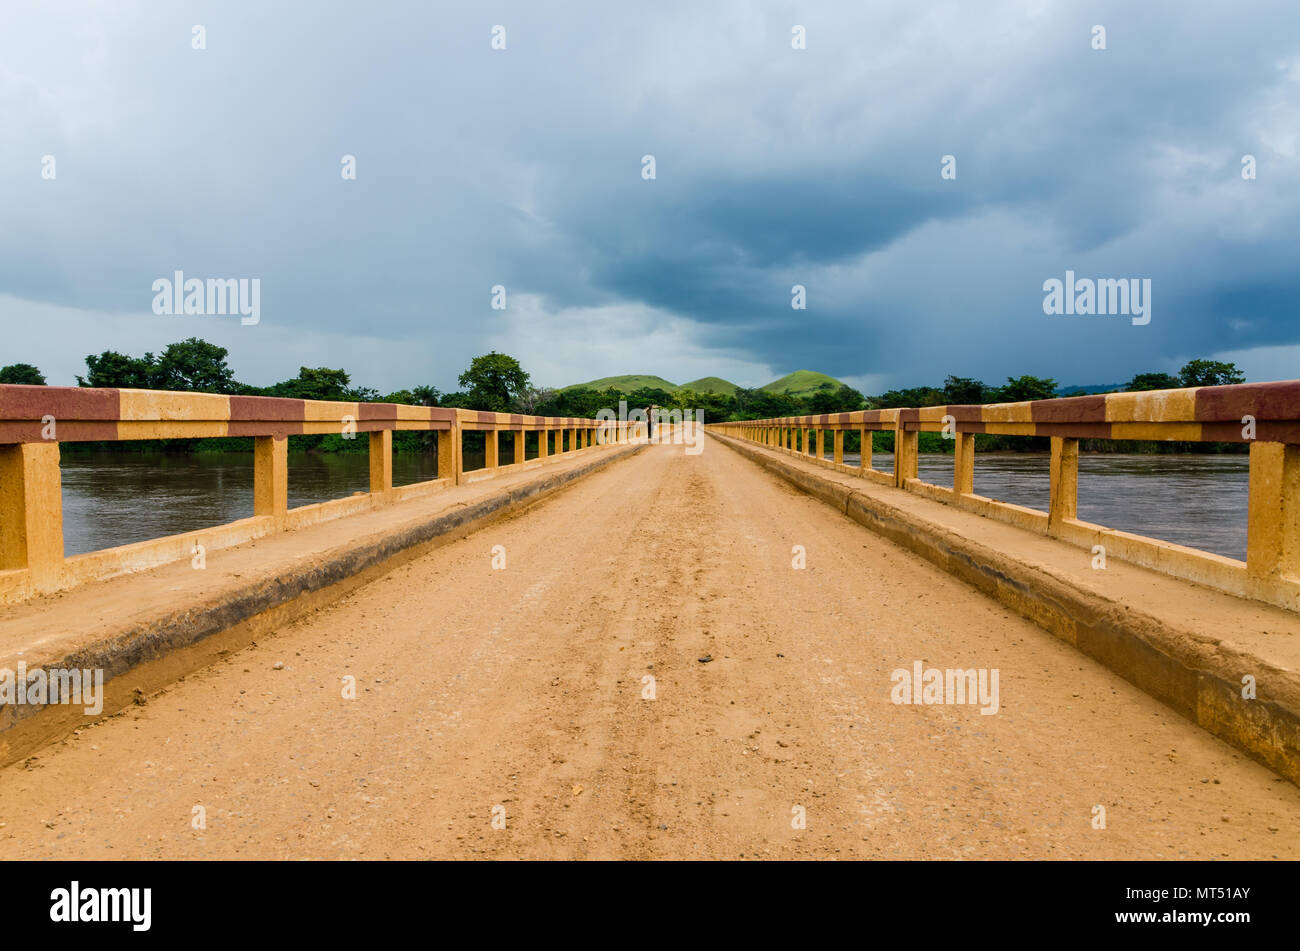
(801, 383)
(713, 384)
(625, 384)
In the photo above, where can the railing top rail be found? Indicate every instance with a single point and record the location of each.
(108, 414)
(1195, 414)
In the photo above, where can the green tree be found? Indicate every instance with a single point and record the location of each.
(1152, 381)
(644, 396)
(194, 366)
(426, 395)
(415, 396)
(830, 400)
(1210, 373)
(960, 391)
(113, 369)
(532, 398)
(909, 398)
(22, 373)
(763, 404)
(494, 382)
(314, 383)
(1021, 388)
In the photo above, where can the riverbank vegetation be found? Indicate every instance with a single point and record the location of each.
(497, 382)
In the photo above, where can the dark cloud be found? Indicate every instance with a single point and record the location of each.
(775, 167)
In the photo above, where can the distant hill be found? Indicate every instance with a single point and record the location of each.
(625, 384)
(711, 384)
(801, 383)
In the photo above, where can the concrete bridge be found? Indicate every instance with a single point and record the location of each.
(603, 645)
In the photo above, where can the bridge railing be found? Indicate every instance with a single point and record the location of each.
(1264, 415)
(34, 420)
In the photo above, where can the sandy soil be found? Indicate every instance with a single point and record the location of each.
(522, 688)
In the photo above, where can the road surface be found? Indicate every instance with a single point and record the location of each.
(515, 697)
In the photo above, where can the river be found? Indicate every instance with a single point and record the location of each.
(114, 498)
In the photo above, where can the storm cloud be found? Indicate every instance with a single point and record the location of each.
(775, 166)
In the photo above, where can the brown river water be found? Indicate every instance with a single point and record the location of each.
(113, 498)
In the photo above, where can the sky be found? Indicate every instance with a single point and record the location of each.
(774, 166)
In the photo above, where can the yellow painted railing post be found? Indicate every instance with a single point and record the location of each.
(449, 452)
(838, 436)
(31, 511)
(271, 477)
(491, 449)
(865, 437)
(1064, 477)
(905, 454)
(518, 443)
(1273, 519)
(381, 464)
(543, 443)
(821, 444)
(963, 463)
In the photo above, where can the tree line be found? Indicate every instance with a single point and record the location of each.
(497, 382)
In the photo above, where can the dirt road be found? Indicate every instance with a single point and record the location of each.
(517, 694)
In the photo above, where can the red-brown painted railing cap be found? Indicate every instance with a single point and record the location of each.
(89, 413)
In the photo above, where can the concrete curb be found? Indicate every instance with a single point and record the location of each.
(1183, 669)
(176, 642)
